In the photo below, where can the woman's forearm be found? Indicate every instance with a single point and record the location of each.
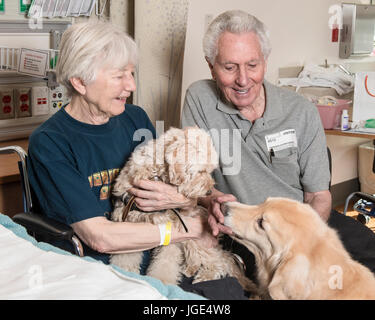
(110, 237)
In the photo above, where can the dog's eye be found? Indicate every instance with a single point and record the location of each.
(209, 192)
(260, 223)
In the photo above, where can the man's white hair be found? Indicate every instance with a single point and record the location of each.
(234, 21)
(87, 47)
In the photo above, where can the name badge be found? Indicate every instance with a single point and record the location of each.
(281, 140)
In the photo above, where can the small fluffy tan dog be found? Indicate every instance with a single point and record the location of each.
(184, 158)
(298, 255)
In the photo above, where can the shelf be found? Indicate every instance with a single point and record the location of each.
(10, 58)
(9, 162)
(364, 135)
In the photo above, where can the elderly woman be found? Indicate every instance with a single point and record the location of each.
(277, 135)
(75, 155)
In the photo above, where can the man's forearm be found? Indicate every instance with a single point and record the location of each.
(321, 202)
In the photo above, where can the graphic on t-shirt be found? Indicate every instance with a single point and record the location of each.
(104, 193)
(104, 175)
(111, 174)
(90, 181)
(103, 179)
(97, 179)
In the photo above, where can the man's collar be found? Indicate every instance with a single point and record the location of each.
(274, 108)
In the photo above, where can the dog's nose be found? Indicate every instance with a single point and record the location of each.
(224, 209)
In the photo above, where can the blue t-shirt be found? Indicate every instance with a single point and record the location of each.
(72, 165)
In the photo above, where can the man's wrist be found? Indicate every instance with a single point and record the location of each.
(205, 201)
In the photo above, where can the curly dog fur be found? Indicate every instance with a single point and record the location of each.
(183, 158)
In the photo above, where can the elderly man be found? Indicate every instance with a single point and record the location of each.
(275, 133)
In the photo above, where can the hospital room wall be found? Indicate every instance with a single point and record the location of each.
(300, 34)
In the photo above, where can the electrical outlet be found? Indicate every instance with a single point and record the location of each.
(22, 102)
(40, 101)
(6, 103)
(57, 98)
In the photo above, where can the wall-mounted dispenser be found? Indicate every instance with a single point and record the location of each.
(357, 33)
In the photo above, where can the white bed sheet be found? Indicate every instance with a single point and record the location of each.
(28, 272)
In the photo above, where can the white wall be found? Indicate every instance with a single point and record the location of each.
(300, 34)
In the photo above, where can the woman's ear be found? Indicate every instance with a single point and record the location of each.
(78, 85)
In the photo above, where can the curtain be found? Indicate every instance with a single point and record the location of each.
(160, 28)
(121, 13)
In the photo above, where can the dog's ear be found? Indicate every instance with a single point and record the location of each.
(197, 186)
(292, 279)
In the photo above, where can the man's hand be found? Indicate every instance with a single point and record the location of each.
(216, 217)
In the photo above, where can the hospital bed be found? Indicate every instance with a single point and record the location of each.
(37, 270)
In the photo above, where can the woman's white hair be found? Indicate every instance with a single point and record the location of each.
(234, 21)
(87, 47)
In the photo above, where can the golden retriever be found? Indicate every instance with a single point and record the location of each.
(298, 255)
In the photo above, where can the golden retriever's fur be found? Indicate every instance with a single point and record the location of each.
(184, 158)
(298, 255)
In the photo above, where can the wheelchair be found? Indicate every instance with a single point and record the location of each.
(38, 225)
(365, 206)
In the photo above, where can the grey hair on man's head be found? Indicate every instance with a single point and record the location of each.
(86, 47)
(234, 21)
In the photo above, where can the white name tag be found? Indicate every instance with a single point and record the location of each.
(281, 140)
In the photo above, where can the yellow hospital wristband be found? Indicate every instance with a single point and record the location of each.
(168, 233)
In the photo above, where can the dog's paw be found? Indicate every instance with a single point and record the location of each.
(205, 275)
(191, 270)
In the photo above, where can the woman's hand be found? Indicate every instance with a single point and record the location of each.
(157, 195)
(198, 231)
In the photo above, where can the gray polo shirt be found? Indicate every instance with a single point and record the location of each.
(282, 154)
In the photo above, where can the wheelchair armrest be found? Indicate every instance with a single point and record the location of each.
(43, 225)
(366, 196)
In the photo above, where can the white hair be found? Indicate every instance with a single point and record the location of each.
(89, 46)
(234, 21)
